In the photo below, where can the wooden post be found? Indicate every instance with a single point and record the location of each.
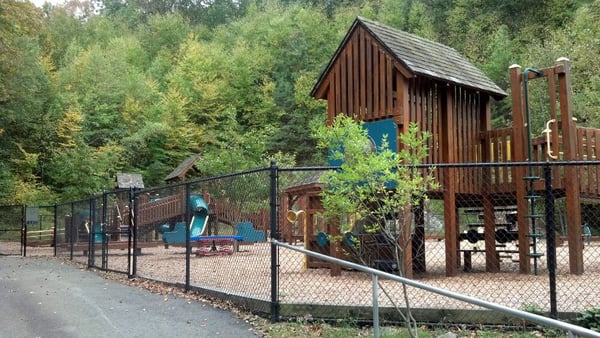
(571, 178)
(492, 263)
(418, 240)
(449, 182)
(404, 240)
(287, 234)
(519, 151)
(335, 250)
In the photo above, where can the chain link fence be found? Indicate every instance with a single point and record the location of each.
(488, 266)
(212, 235)
(11, 234)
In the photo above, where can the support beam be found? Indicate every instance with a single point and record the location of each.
(519, 151)
(572, 195)
(449, 182)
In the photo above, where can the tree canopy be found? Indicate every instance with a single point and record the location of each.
(92, 88)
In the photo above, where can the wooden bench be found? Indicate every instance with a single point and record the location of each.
(468, 253)
(216, 245)
(497, 225)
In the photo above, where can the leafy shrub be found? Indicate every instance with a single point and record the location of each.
(589, 319)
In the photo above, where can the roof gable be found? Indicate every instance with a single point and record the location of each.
(182, 169)
(421, 57)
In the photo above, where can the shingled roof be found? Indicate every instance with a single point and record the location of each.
(423, 57)
(182, 169)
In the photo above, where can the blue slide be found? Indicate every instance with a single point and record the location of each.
(200, 216)
(198, 224)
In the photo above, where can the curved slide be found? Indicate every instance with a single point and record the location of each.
(200, 216)
(198, 224)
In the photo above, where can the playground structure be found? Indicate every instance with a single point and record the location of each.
(161, 221)
(388, 79)
(177, 233)
(198, 232)
(167, 216)
(157, 217)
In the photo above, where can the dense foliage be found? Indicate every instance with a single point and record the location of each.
(92, 88)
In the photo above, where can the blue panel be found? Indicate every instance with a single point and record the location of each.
(376, 130)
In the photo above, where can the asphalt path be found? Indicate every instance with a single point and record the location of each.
(44, 297)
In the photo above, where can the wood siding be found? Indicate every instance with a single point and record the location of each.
(469, 113)
(362, 81)
(369, 84)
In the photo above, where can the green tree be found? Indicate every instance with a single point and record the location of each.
(379, 188)
(25, 96)
(61, 30)
(98, 81)
(503, 55)
(472, 28)
(163, 33)
(77, 169)
(578, 42)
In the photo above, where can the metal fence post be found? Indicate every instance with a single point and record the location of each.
(55, 230)
(91, 233)
(374, 279)
(550, 240)
(72, 231)
(274, 250)
(133, 212)
(104, 229)
(188, 248)
(23, 232)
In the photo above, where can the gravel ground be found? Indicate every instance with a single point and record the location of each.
(248, 273)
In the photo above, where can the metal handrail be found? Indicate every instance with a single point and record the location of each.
(572, 330)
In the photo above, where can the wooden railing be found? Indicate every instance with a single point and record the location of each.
(171, 207)
(496, 148)
(231, 213)
(587, 150)
(161, 210)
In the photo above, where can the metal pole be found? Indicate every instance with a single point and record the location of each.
(104, 230)
(55, 230)
(374, 279)
(274, 250)
(188, 248)
(550, 240)
(91, 233)
(72, 231)
(23, 231)
(133, 212)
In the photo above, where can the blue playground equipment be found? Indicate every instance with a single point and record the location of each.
(248, 234)
(197, 225)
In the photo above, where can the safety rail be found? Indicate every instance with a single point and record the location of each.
(572, 330)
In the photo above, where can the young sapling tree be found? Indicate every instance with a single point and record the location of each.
(376, 187)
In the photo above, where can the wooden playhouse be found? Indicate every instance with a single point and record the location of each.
(389, 78)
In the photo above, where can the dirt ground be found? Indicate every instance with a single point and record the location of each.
(248, 273)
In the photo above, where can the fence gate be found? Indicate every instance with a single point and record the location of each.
(111, 245)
